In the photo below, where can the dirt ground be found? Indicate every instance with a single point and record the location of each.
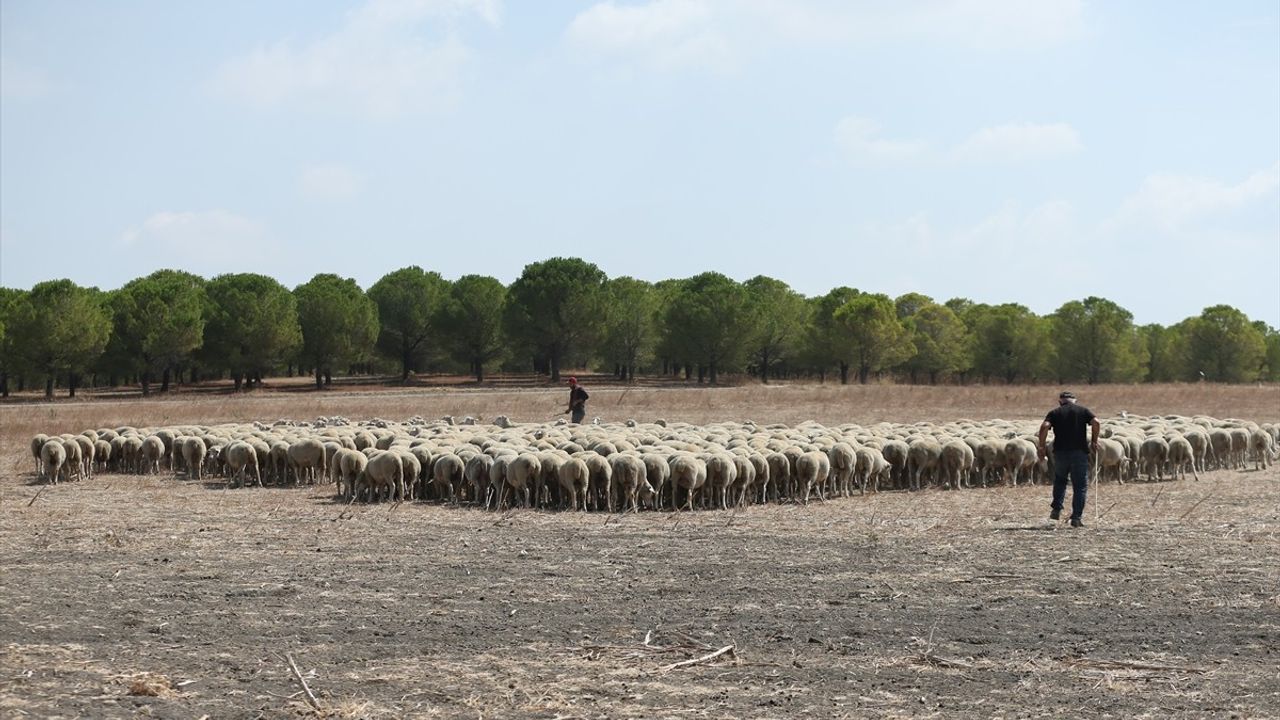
(161, 597)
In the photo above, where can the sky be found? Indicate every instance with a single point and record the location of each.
(999, 150)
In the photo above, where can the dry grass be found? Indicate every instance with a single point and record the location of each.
(964, 604)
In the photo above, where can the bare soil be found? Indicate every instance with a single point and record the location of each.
(162, 597)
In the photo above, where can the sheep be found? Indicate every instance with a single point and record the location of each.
(152, 450)
(627, 472)
(53, 458)
(721, 473)
(75, 457)
(447, 475)
(574, 478)
(923, 454)
(779, 473)
(240, 457)
(476, 472)
(844, 462)
(657, 472)
(521, 474)
(1020, 455)
(1181, 454)
(1155, 453)
(346, 468)
(688, 472)
(1111, 460)
(1262, 448)
(954, 461)
(193, 452)
(102, 455)
(307, 460)
(37, 444)
(895, 453)
(809, 472)
(383, 476)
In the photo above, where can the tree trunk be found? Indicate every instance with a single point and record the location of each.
(146, 383)
(555, 365)
(863, 370)
(238, 378)
(702, 374)
(764, 367)
(844, 373)
(319, 379)
(479, 367)
(164, 378)
(714, 374)
(72, 380)
(688, 371)
(48, 388)
(933, 377)
(328, 377)
(4, 384)
(631, 373)
(406, 357)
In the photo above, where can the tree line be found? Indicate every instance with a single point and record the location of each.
(173, 326)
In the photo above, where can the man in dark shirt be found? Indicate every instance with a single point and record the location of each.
(1070, 453)
(577, 400)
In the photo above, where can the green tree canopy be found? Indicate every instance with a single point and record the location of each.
(829, 342)
(252, 327)
(711, 322)
(554, 309)
(941, 340)
(472, 321)
(60, 328)
(158, 321)
(781, 318)
(11, 300)
(1224, 346)
(1010, 342)
(631, 322)
(339, 323)
(409, 302)
(908, 304)
(1094, 340)
(877, 340)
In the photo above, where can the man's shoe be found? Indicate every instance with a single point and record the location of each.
(1077, 522)
(1055, 514)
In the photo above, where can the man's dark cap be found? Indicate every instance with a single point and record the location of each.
(1066, 395)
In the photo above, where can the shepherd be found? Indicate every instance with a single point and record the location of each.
(577, 401)
(1070, 453)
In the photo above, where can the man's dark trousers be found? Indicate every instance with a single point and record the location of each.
(1075, 463)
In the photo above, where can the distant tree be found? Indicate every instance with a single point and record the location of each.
(11, 300)
(631, 323)
(472, 321)
(1010, 342)
(409, 302)
(1224, 345)
(60, 328)
(339, 323)
(941, 341)
(829, 342)
(876, 338)
(712, 323)
(1094, 340)
(782, 317)
(253, 326)
(158, 321)
(555, 309)
(1272, 340)
(911, 303)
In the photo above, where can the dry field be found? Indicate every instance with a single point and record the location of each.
(159, 597)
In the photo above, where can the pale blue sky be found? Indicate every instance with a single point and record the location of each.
(1002, 150)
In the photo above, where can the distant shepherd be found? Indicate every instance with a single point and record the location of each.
(577, 400)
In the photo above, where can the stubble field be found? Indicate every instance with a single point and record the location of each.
(155, 596)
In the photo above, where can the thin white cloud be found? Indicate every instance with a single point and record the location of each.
(1019, 142)
(220, 241)
(1170, 202)
(378, 63)
(860, 139)
(19, 81)
(667, 34)
(712, 33)
(330, 183)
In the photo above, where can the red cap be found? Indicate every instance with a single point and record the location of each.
(573, 381)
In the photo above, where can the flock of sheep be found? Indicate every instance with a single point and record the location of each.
(627, 466)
